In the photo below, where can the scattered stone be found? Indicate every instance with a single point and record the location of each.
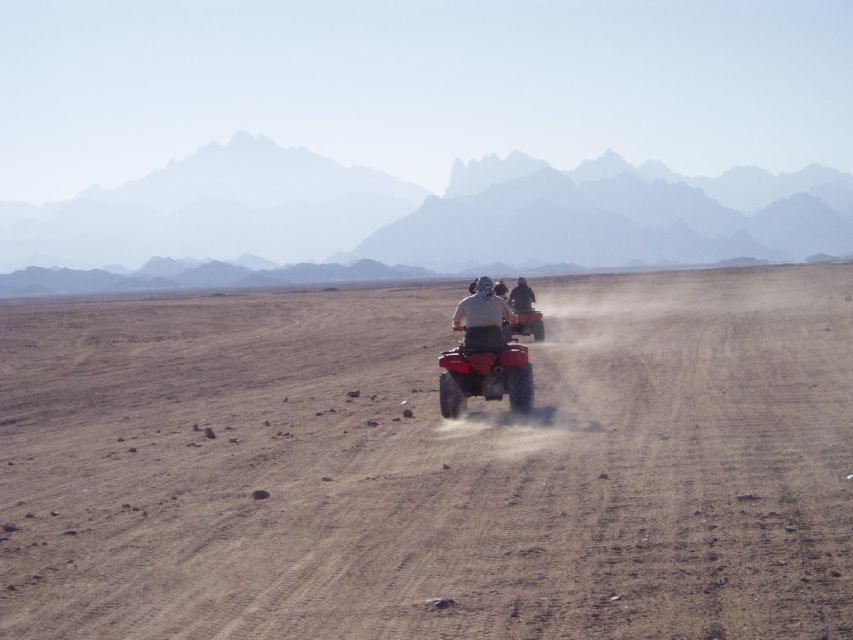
(373, 396)
(194, 444)
(70, 532)
(132, 450)
(4, 539)
(234, 440)
(285, 399)
(120, 440)
(443, 603)
(396, 419)
(408, 413)
(38, 577)
(747, 497)
(516, 605)
(126, 505)
(404, 402)
(850, 476)
(11, 587)
(319, 413)
(260, 494)
(326, 478)
(10, 528)
(30, 515)
(195, 427)
(791, 528)
(563, 514)
(208, 433)
(835, 574)
(54, 513)
(372, 423)
(615, 598)
(603, 476)
(354, 394)
(134, 509)
(230, 429)
(445, 466)
(266, 423)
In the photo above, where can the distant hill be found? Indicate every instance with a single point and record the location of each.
(255, 172)
(38, 281)
(249, 195)
(478, 175)
(546, 215)
(803, 225)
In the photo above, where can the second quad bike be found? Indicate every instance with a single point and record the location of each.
(490, 374)
(530, 323)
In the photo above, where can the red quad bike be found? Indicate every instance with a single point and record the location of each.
(490, 374)
(529, 323)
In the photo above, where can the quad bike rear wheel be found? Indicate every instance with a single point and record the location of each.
(453, 401)
(538, 329)
(521, 388)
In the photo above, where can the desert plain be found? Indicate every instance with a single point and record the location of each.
(687, 471)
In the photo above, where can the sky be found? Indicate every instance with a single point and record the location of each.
(102, 92)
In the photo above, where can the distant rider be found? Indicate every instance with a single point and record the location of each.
(501, 289)
(521, 298)
(483, 313)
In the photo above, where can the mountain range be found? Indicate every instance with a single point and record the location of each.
(291, 205)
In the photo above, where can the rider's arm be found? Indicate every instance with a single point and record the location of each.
(458, 315)
(532, 296)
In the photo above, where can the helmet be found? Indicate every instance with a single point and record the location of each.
(485, 282)
(522, 280)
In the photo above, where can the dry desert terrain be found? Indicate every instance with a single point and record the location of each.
(686, 472)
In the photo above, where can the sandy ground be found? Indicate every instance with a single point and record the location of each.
(685, 473)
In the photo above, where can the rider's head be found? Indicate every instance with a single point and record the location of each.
(522, 280)
(484, 284)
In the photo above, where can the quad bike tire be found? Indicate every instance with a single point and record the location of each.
(521, 389)
(453, 401)
(538, 330)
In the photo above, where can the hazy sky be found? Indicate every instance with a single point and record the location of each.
(103, 92)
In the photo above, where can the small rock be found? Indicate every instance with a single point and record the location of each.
(443, 603)
(791, 528)
(260, 494)
(120, 440)
(266, 423)
(396, 419)
(373, 396)
(445, 466)
(194, 444)
(132, 450)
(234, 440)
(285, 399)
(408, 413)
(563, 514)
(54, 513)
(195, 427)
(126, 505)
(747, 497)
(10, 528)
(354, 394)
(319, 413)
(835, 574)
(11, 587)
(208, 433)
(30, 515)
(615, 598)
(372, 423)
(70, 532)
(326, 478)
(603, 476)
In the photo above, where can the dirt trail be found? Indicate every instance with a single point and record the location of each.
(684, 474)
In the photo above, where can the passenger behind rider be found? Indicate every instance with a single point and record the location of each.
(483, 315)
(521, 298)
